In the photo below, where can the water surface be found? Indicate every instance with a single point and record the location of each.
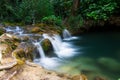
(98, 56)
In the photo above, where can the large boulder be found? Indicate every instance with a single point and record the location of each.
(5, 52)
(7, 44)
(46, 45)
(24, 51)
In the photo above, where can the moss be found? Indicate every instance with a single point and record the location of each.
(5, 49)
(13, 24)
(47, 46)
(2, 31)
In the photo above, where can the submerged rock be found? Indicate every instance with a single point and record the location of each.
(109, 64)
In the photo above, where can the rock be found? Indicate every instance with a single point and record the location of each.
(7, 44)
(24, 51)
(36, 72)
(9, 39)
(24, 38)
(46, 45)
(1, 30)
(5, 51)
(79, 77)
(35, 30)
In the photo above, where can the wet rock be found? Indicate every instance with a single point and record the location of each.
(2, 30)
(46, 45)
(35, 30)
(24, 38)
(24, 51)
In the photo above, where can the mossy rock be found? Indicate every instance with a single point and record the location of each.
(24, 51)
(1, 30)
(109, 63)
(46, 45)
(35, 30)
(5, 50)
(10, 40)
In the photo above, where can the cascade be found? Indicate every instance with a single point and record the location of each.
(14, 30)
(55, 41)
(61, 49)
(40, 49)
(66, 34)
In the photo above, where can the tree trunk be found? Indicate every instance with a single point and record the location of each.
(76, 4)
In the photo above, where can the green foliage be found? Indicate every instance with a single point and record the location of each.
(25, 10)
(62, 7)
(100, 10)
(76, 21)
(52, 20)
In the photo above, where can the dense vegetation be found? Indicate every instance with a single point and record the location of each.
(70, 12)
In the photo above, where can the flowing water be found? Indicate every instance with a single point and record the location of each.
(96, 55)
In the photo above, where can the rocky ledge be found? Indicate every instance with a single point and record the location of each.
(16, 62)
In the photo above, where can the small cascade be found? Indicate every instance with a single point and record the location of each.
(61, 49)
(54, 41)
(15, 30)
(66, 34)
(40, 49)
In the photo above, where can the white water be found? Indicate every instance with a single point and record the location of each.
(66, 34)
(40, 49)
(53, 40)
(61, 49)
(15, 30)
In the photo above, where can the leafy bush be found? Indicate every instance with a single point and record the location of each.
(76, 21)
(100, 10)
(52, 20)
(25, 11)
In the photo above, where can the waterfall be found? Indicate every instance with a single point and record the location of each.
(61, 49)
(66, 34)
(55, 41)
(40, 49)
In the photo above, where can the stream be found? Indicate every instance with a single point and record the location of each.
(96, 55)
